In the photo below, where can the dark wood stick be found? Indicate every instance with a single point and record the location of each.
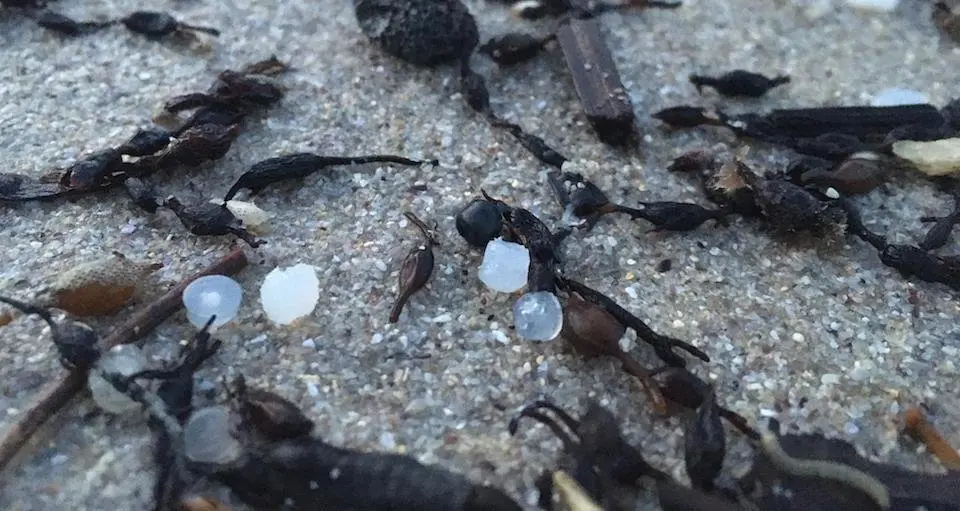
(56, 394)
(597, 81)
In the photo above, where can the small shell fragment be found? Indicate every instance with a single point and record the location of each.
(250, 215)
(934, 158)
(101, 287)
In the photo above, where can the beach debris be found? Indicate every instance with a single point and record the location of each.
(125, 360)
(538, 316)
(505, 265)
(288, 294)
(417, 266)
(100, 287)
(933, 158)
(212, 295)
(739, 83)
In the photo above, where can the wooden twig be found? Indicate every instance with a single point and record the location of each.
(56, 394)
(917, 426)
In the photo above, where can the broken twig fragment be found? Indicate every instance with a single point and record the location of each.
(595, 76)
(918, 428)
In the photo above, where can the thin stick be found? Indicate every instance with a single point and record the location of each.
(56, 394)
(921, 430)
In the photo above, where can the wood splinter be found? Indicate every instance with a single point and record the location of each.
(602, 94)
(918, 428)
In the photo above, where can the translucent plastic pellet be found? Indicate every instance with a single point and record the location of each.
(212, 295)
(504, 267)
(207, 438)
(538, 316)
(124, 359)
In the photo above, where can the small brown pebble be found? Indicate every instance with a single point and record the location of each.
(5, 318)
(101, 287)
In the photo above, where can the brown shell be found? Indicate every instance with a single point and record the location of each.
(101, 287)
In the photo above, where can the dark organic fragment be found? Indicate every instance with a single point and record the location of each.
(861, 121)
(224, 114)
(76, 342)
(605, 463)
(523, 227)
(582, 9)
(597, 81)
(909, 260)
(475, 91)
(858, 174)
(788, 207)
(199, 144)
(683, 388)
(705, 444)
(739, 83)
(146, 142)
(416, 268)
(481, 221)
(282, 466)
(142, 194)
(687, 116)
(593, 331)
(300, 165)
(830, 146)
(536, 145)
(160, 24)
(828, 132)
(914, 261)
(813, 473)
(92, 171)
(939, 234)
(310, 475)
(269, 414)
(662, 344)
(421, 32)
(678, 216)
(209, 219)
(514, 47)
(62, 24)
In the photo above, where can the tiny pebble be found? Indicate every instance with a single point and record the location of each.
(797, 337)
(830, 379)
(258, 339)
(312, 390)
(376, 339)
(387, 441)
(309, 344)
(851, 428)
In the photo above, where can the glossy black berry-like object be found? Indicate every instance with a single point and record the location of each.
(479, 222)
